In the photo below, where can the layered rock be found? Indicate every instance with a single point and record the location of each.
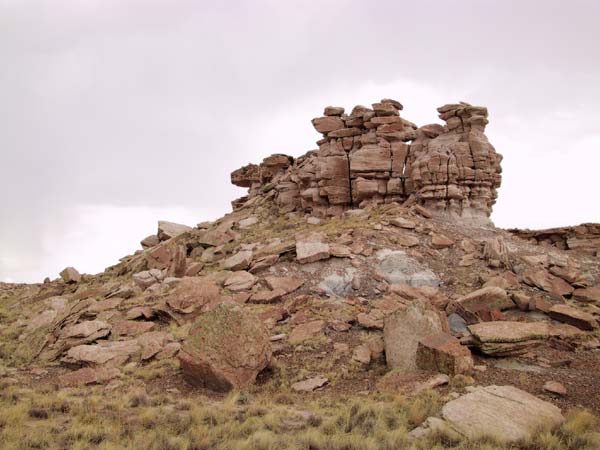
(373, 155)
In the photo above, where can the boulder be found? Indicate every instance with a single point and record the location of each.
(240, 281)
(131, 327)
(505, 413)
(240, 261)
(286, 284)
(150, 241)
(401, 222)
(545, 281)
(96, 328)
(168, 230)
(479, 304)
(226, 349)
(404, 328)
(440, 241)
(588, 295)
(311, 248)
(193, 294)
(147, 278)
(362, 354)
(109, 353)
(443, 353)
(554, 387)
(70, 275)
(573, 316)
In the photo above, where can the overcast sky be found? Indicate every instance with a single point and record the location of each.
(116, 113)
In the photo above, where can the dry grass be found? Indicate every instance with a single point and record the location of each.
(94, 419)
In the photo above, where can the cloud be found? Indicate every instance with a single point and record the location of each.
(127, 104)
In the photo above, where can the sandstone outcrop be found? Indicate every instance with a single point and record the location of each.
(373, 155)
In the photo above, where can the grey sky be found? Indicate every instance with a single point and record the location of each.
(115, 113)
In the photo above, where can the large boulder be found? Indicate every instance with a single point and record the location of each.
(505, 413)
(227, 347)
(404, 328)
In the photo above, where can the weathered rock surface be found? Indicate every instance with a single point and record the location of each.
(443, 353)
(374, 155)
(404, 328)
(508, 338)
(193, 294)
(479, 304)
(547, 282)
(399, 268)
(70, 275)
(311, 248)
(168, 230)
(226, 349)
(310, 384)
(502, 412)
(573, 316)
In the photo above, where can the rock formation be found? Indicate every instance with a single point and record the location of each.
(373, 155)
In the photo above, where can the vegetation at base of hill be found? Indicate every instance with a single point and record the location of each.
(96, 418)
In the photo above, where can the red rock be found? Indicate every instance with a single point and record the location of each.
(333, 111)
(240, 281)
(149, 241)
(193, 294)
(327, 124)
(311, 248)
(168, 230)
(88, 375)
(591, 294)
(239, 261)
(131, 327)
(554, 387)
(226, 349)
(547, 282)
(440, 241)
(404, 328)
(306, 331)
(480, 303)
(573, 316)
(443, 353)
(70, 275)
(286, 284)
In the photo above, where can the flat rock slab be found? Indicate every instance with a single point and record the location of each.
(310, 384)
(503, 412)
(573, 316)
(307, 331)
(508, 337)
(88, 375)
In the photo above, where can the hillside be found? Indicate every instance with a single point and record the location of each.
(359, 297)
